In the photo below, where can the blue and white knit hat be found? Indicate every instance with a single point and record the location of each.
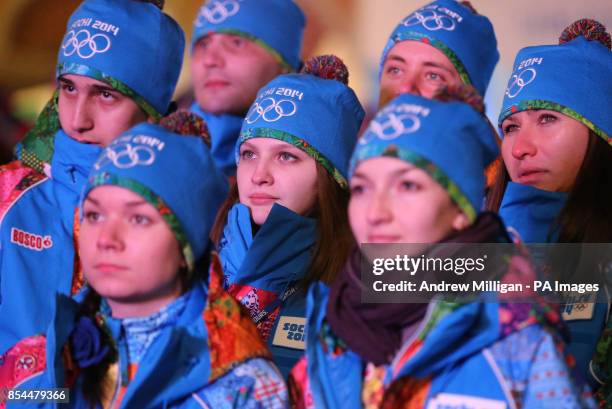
(131, 45)
(465, 37)
(175, 173)
(277, 25)
(315, 111)
(573, 78)
(450, 141)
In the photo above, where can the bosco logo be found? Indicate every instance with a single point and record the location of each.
(30, 241)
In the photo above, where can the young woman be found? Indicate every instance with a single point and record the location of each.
(284, 224)
(557, 156)
(155, 328)
(407, 186)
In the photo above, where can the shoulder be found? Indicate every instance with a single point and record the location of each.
(15, 179)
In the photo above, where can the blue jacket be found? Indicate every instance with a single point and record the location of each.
(457, 357)
(263, 271)
(211, 358)
(37, 256)
(224, 131)
(532, 212)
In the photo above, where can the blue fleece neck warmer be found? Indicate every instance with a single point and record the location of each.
(574, 79)
(466, 38)
(279, 254)
(319, 116)
(224, 130)
(131, 45)
(449, 140)
(531, 212)
(277, 25)
(175, 173)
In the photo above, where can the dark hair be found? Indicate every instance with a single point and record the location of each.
(586, 217)
(334, 239)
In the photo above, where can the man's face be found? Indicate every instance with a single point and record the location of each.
(228, 70)
(91, 111)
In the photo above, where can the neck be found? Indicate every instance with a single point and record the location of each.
(134, 307)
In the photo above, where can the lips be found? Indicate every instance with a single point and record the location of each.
(216, 83)
(262, 198)
(109, 268)
(530, 175)
(383, 238)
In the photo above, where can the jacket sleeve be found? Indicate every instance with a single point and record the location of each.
(254, 384)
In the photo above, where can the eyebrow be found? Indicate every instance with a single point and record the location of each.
(97, 87)
(396, 58)
(436, 65)
(134, 203)
(395, 173)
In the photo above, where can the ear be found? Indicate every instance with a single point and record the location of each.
(460, 221)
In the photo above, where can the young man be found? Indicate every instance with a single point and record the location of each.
(443, 43)
(105, 86)
(237, 47)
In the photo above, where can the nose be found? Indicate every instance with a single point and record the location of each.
(212, 57)
(410, 84)
(379, 211)
(110, 237)
(523, 143)
(82, 118)
(262, 174)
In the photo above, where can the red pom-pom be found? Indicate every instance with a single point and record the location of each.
(592, 30)
(158, 3)
(183, 122)
(328, 67)
(461, 93)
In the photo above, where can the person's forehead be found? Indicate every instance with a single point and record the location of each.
(410, 50)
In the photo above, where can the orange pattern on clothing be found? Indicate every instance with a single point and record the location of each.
(77, 276)
(232, 336)
(373, 386)
(23, 361)
(407, 393)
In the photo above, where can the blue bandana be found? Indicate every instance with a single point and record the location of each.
(574, 79)
(132, 45)
(531, 212)
(175, 173)
(466, 38)
(277, 25)
(449, 140)
(319, 116)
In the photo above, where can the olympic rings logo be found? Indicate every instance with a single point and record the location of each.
(431, 20)
(519, 81)
(392, 127)
(217, 11)
(84, 44)
(126, 156)
(271, 110)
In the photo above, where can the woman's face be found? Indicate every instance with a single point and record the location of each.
(129, 254)
(393, 201)
(272, 171)
(413, 67)
(544, 149)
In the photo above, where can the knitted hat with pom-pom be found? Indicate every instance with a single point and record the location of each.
(573, 78)
(448, 137)
(315, 110)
